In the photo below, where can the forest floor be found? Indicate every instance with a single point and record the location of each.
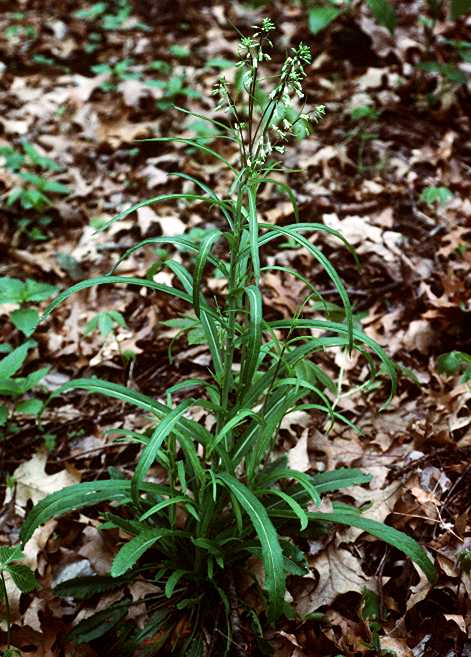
(81, 86)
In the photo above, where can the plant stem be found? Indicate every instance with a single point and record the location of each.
(252, 90)
(232, 308)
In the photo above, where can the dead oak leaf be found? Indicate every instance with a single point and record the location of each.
(339, 572)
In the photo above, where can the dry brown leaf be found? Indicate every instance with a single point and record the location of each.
(298, 457)
(33, 483)
(339, 572)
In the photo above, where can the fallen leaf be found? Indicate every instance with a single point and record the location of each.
(339, 572)
(33, 483)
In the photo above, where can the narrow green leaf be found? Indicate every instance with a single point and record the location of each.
(86, 587)
(303, 480)
(388, 534)
(99, 624)
(310, 226)
(290, 501)
(177, 241)
(210, 328)
(194, 144)
(327, 482)
(3, 415)
(231, 424)
(285, 188)
(131, 551)
(116, 391)
(149, 452)
(254, 338)
(173, 580)
(113, 280)
(271, 551)
(343, 330)
(255, 442)
(72, 498)
(253, 233)
(178, 499)
(151, 201)
(330, 270)
(188, 430)
(204, 251)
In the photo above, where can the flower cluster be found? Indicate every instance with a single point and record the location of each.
(277, 117)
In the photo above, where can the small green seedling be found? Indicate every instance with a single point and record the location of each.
(365, 118)
(436, 196)
(24, 579)
(32, 190)
(15, 387)
(464, 560)
(24, 293)
(110, 16)
(121, 70)
(173, 88)
(105, 322)
(455, 362)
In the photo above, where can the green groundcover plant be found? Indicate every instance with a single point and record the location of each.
(225, 501)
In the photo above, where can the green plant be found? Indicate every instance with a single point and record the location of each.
(23, 578)
(321, 15)
(110, 16)
(455, 362)
(436, 195)
(23, 293)
(121, 70)
(105, 322)
(20, 32)
(365, 117)
(16, 387)
(225, 501)
(174, 87)
(32, 190)
(371, 615)
(441, 65)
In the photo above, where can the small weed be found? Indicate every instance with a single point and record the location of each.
(455, 362)
(436, 196)
(31, 193)
(23, 579)
(365, 118)
(121, 70)
(110, 16)
(24, 294)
